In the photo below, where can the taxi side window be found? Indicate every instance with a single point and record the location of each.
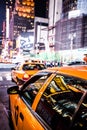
(56, 106)
(30, 92)
(56, 85)
(40, 66)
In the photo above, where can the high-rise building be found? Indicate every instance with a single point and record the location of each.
(23, 17)
(70, 5)
(72, 25)
(67, 27)
(41, 25)
(55, 11)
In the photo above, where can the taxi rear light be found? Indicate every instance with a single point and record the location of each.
(26, 77)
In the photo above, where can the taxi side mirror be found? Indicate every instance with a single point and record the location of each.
(13, 90)
(13, 68)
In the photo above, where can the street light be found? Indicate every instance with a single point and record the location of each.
(71, 37)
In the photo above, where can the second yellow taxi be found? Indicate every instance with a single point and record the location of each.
(22, 72)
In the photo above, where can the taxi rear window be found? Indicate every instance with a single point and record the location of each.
(33, 66)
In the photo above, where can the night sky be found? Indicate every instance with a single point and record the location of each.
(2, 13)
(40, 8)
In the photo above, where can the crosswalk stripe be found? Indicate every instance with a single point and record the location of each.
(7, 78)
(1, 79)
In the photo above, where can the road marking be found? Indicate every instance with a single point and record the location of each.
(8, 77)
(1, 79)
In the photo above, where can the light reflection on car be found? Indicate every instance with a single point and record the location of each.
(52, 99)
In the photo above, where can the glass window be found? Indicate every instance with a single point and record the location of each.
(59, 103)
(33, 66)
(28, 67)
(80, 115)
(41, 66)
(29, 93)
(75, 82)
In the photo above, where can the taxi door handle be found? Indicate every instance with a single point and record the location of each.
(21, 116)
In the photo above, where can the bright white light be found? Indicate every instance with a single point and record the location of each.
(7, 23)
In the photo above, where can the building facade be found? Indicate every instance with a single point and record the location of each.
(23, 17)
(55, 11)
(69, 31)
(66, 25)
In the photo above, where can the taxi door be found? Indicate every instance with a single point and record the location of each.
(24, 118)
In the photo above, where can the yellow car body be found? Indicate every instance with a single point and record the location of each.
(46, 101)
(26, 120)
(24, 71)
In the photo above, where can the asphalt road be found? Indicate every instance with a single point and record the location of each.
(5, 82)
(4, 109)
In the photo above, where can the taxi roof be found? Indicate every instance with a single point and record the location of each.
(79, 71)
(31, 62)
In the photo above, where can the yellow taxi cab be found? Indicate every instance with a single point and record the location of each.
(22, 72)
(52, 99)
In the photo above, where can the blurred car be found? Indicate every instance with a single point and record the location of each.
(77, 63)
(6, 66)
(23, 71)
(52, 99)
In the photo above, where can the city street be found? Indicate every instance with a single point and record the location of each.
(5, 82)
(43, 64)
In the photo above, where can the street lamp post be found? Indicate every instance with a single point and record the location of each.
(71, 37)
